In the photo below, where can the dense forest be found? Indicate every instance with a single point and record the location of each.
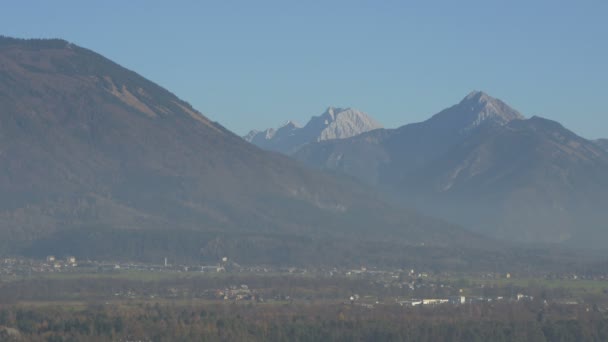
(251, 322)
(165, 306)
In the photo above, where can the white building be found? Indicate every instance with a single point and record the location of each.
(71, 260)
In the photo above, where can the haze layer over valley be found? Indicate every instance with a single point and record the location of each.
(482, 164)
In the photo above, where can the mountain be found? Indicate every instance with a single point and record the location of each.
(271, 139)
(603, 143)
(382, 157)
(482, 164)
(334, 123)
(98, 162)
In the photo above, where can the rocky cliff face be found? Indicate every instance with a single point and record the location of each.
(334, 123)
(476, 109)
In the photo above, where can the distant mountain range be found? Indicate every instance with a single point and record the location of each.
(482, 164)
(603, 143)
(334, 123)
(98, 162)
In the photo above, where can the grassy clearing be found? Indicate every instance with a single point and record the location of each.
(123, 275)
(593, 286)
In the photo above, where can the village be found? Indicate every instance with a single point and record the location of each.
(366, 287)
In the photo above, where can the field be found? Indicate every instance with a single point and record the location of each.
(307, 306)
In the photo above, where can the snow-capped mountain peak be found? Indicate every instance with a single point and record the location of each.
(475, 109)
(334, 123)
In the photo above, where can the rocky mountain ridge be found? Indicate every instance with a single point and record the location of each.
(482, 164)
(334, 123)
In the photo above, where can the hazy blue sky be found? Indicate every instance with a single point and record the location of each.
(253, 64)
